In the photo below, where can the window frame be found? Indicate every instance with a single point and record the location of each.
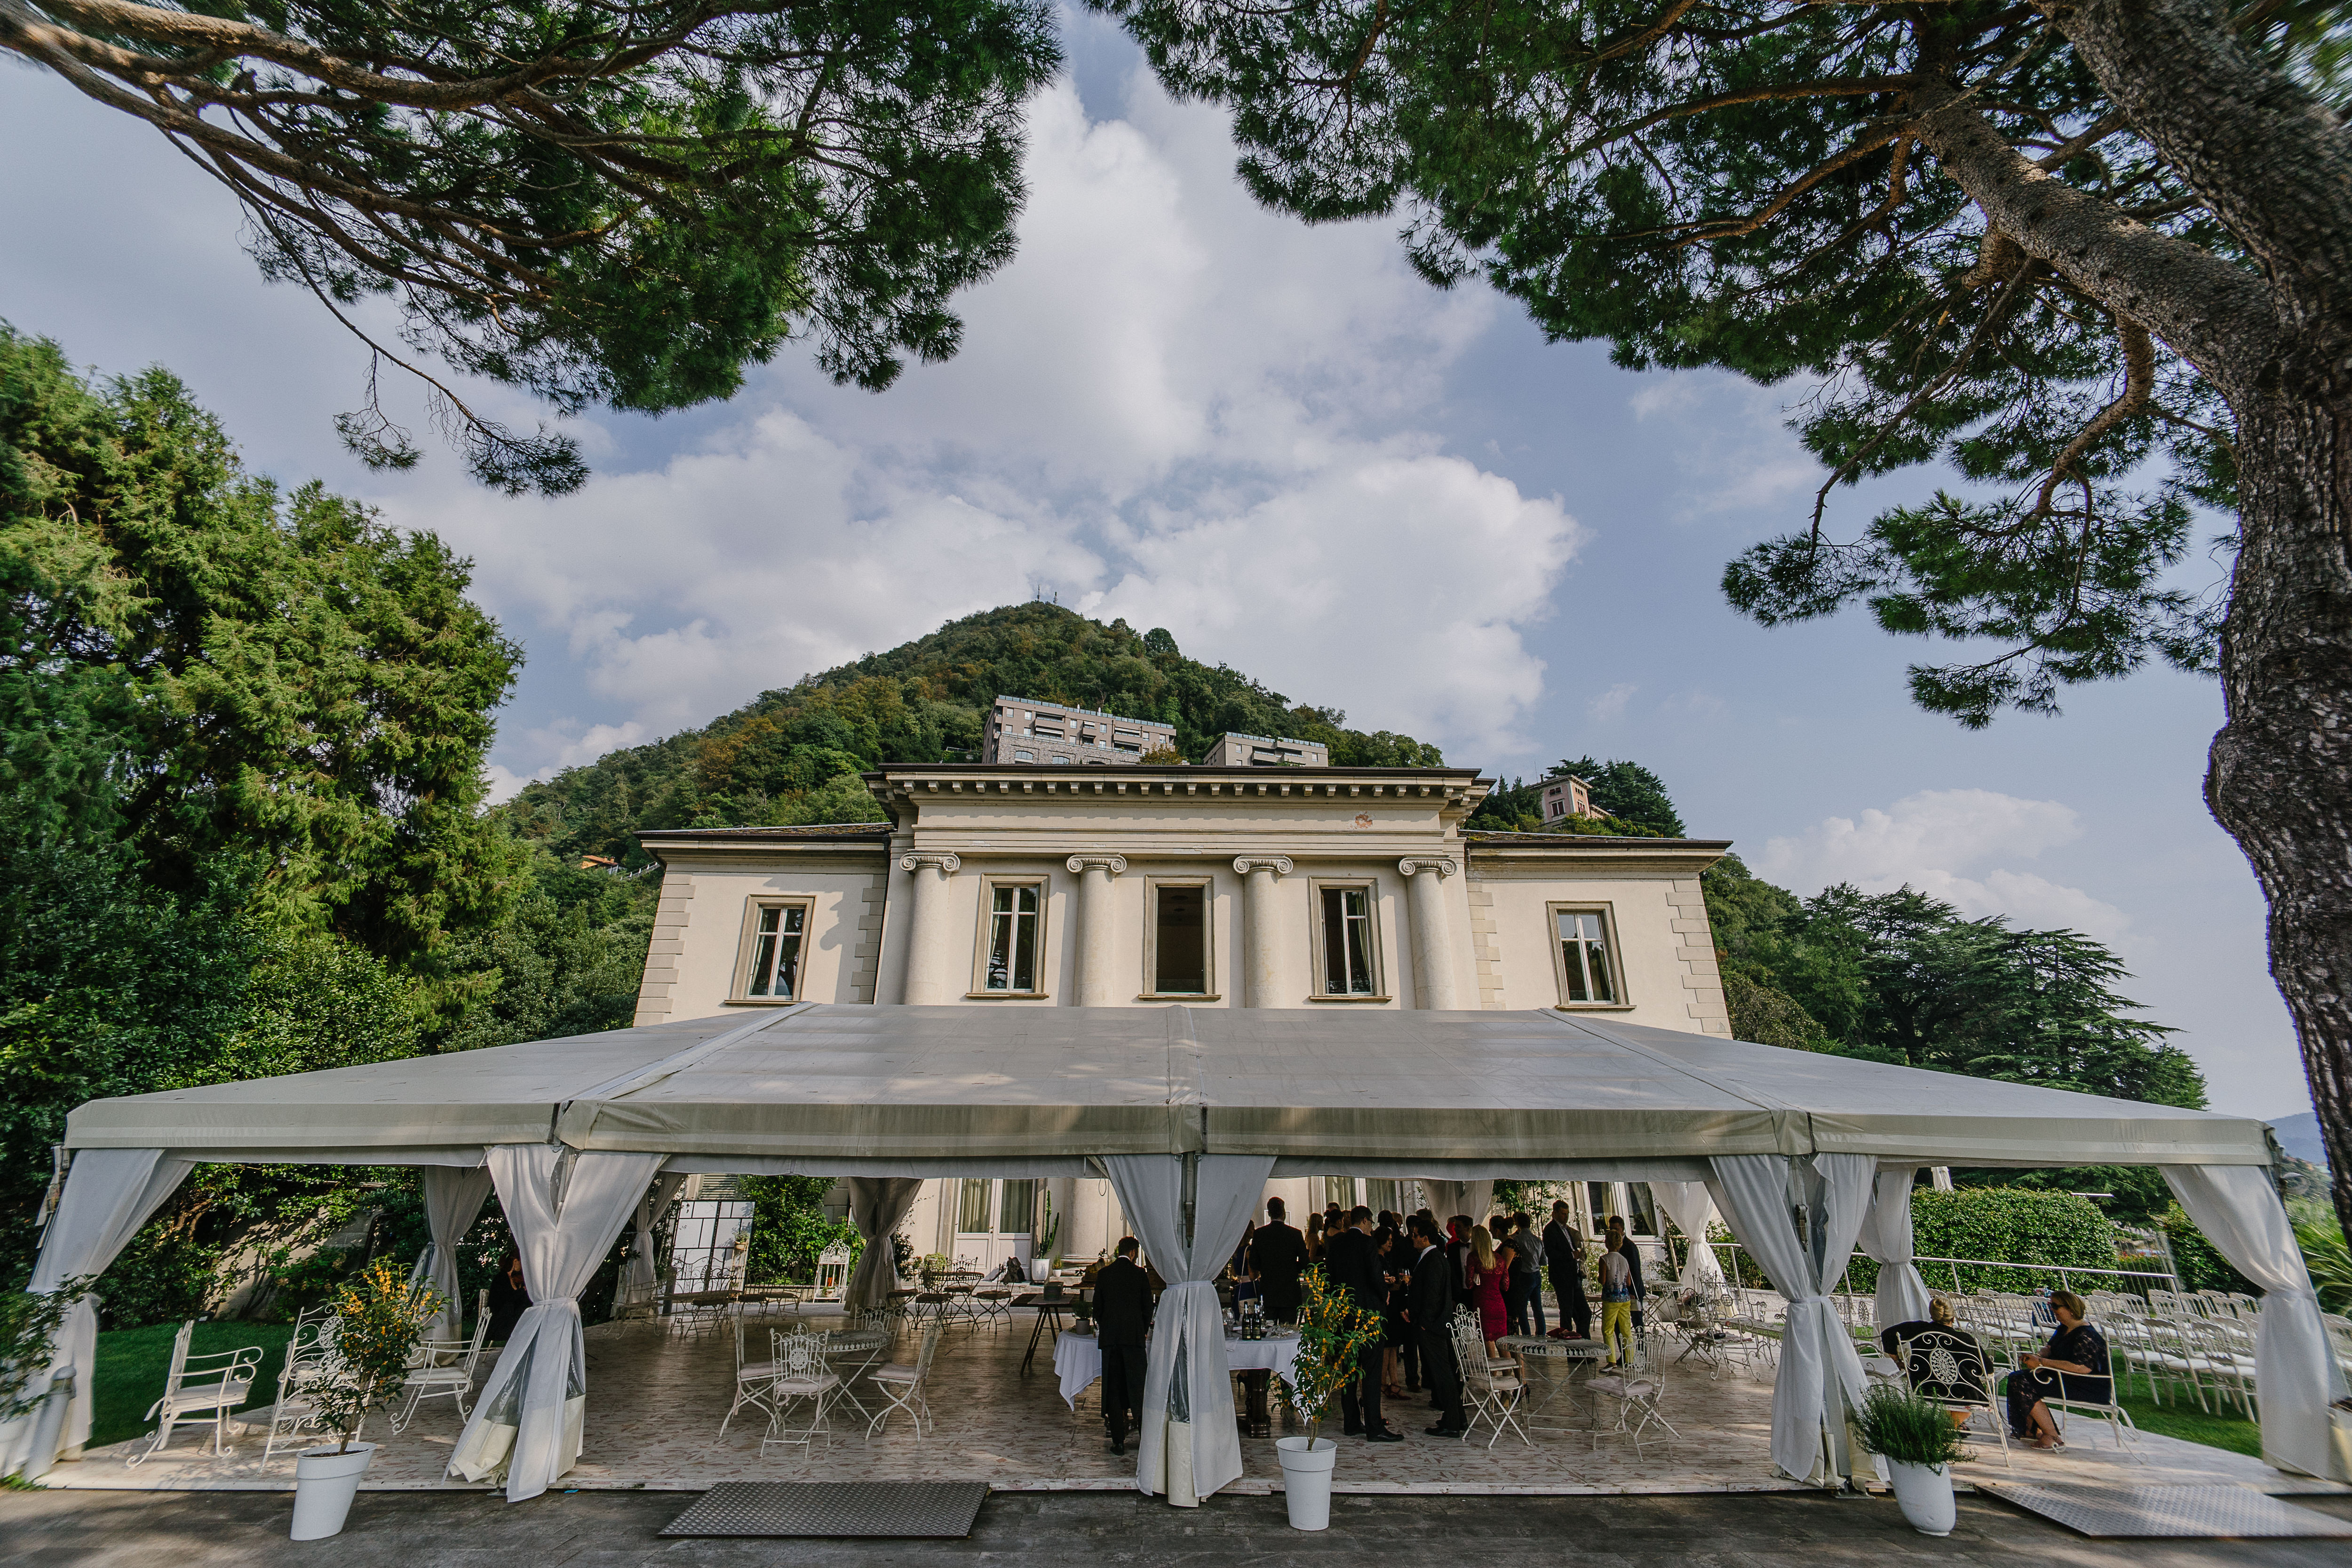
(1043, 882)
(1320, 938)
(1616, 952)
(1150, 972)
(738, 991)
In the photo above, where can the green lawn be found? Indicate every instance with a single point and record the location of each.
(133, 1363)
(2179, 1417)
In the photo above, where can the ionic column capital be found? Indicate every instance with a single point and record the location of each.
(1115, 864)
(947, 860)
(1442, 864)
(1277, 864)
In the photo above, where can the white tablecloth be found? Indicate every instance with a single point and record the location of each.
(1077, 1360)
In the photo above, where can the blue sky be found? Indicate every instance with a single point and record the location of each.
(1271, 439)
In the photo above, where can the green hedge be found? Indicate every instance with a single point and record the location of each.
(2021, 1225)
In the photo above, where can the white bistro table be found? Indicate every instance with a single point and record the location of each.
(1077, 1360)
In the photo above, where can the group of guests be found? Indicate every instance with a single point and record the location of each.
(1412, 1272)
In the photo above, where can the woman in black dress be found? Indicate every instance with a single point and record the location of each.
(2073, 1365)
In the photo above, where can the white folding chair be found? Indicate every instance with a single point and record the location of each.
(1636, 1390)
(1492, 1388)
(753, 1381)
(901, 1387)
(214, 1384)
(427, 1380)
(803, 1381)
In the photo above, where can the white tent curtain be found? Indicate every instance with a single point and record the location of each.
(109, 1195)
(878, 1206)
(1688, 1205)
(1817, 1359)
(1190, 1445)
(2297, 1376)
(528, 1419)
(1902, 1296)
(643, 1279)
(453, 1200)
(1447, 1199)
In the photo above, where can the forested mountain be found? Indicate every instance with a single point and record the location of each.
(791, 755)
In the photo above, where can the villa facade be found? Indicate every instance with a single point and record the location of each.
(1152, 885)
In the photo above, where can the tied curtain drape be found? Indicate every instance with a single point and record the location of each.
(109, 1195)
(1447, 1199)
(528, 1417)
(1902, 1295)
(1820, 1374)
(642, 1282)
(1190, 1445)
(2294, 1367)
(878, 1206)
(453, 1200)
(1688, 1205)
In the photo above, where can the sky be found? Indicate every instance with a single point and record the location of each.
(1274, 440)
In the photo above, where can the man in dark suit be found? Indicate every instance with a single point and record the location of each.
(1122, 1317)
(1277, 1254)
(1352, 1260)
(1564, 1258)
(1431, 1313)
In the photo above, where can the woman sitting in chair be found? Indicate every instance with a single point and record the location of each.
(2073, 1365)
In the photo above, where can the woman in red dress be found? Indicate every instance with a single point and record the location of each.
(1484, 1275)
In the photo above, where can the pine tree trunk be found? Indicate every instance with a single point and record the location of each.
(2281, 779)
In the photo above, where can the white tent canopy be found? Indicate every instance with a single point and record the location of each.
(893, 1091)
(848, 1089)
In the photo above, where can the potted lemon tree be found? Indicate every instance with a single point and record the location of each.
(1333, 1335)
(379, 1322)
(1916, 1438)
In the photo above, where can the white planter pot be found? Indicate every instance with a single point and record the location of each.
(1307, 1466)
(1925, 1492)
(1040, 1270)
(325, 1481)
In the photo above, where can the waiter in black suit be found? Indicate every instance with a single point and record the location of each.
(1564, 1259)
(1430, 1313)
(1352, 1260)
(1277, 1254)
(1122, 1317)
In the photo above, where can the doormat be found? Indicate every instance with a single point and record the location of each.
(2206, 1512)
(839, 1509)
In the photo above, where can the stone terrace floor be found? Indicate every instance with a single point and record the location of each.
(655, 1400)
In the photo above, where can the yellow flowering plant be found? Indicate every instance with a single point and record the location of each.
(1333, 1335)
(380, 1320)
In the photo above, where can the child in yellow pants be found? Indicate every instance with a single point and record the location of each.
(1616, 1308)
(1617, 1331)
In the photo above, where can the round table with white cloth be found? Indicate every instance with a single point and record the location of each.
(1077, 1360)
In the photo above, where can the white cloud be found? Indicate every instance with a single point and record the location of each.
(1952, 845)
(1611, 704)
(1173, 406)
(504, 786)
(1732, 446)
(1392, 586)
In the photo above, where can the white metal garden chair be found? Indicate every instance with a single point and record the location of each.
(1492, 1389)
(212, 1384)
(428, 1380)
(311, 1355)
(901, 1386)
(753, 1379)
(803, 1382)
(1635, 1390)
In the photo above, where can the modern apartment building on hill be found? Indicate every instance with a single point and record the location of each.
(1049, 734)
(1235, 750)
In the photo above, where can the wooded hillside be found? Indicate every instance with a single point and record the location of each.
(791, 755)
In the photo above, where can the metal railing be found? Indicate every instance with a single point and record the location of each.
(1728, 1254)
